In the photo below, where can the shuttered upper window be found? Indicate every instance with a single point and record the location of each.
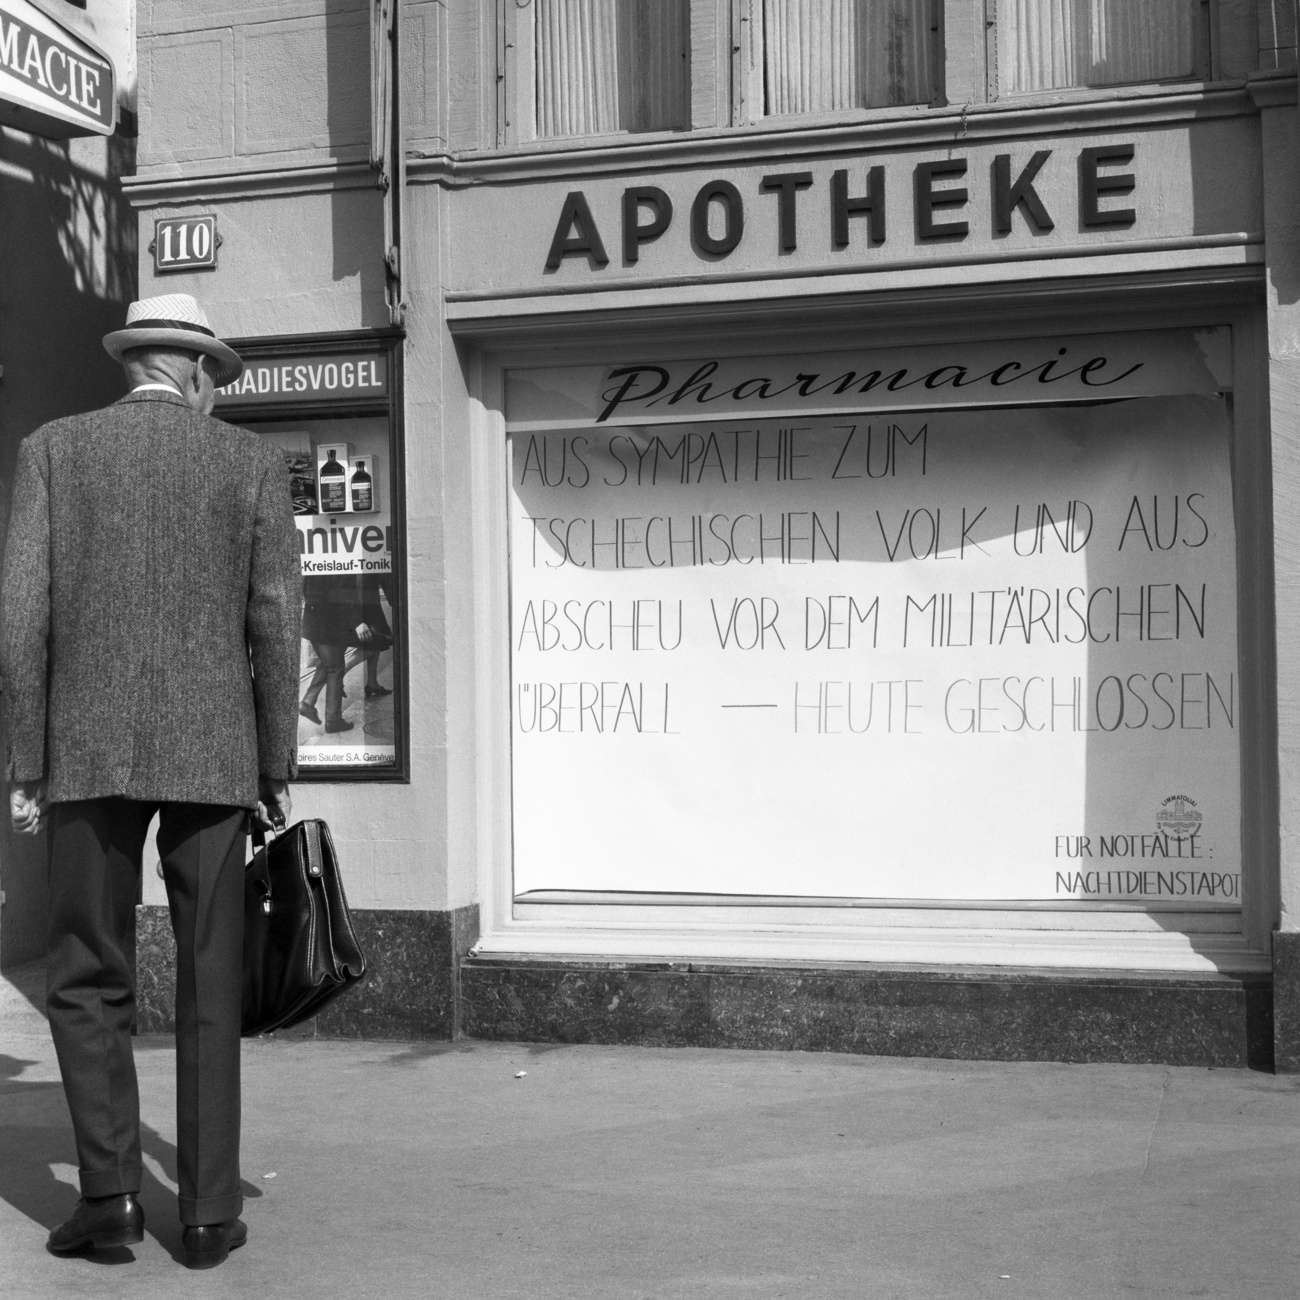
(604, 67)
(820, 56)
(1054, 44)
(612, 65)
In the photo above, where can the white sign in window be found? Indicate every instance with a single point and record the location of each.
(933, 655)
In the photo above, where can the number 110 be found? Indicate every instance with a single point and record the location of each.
(201, 241)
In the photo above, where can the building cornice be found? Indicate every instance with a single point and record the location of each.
(1272, 89)
(1081, 113)
(1234, 256)
(766, 319)
(936, 128)
(1241, 240)
(152, 190)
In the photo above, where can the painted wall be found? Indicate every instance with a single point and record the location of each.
(244, 85)
(233, 91)
(1281, 151)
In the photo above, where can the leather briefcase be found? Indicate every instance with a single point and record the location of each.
(300, 950)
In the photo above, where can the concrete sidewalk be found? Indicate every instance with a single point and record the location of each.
(399, 1170)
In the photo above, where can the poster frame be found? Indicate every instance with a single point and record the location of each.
(391, 407)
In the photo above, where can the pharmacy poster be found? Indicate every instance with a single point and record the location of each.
(964, 654)
(339, 475)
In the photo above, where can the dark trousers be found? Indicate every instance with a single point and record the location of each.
(329, 671)
(95, 858)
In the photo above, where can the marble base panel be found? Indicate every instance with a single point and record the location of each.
(1286, 999)
(410, 990)
(1211, 1020)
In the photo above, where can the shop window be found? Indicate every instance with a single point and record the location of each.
(823, 56)
(827, 643)
(602, 66)
(1057, 44)
(330, 405)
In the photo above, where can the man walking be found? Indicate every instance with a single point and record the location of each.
(149, 635)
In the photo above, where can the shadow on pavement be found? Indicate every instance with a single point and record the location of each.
(41, 1138)
(414, 1053)
(28, 983)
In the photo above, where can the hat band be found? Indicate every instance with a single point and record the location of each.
(158, 323)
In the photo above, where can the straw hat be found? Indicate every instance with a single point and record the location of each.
(174, 320)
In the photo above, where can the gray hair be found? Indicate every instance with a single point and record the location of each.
(153, 361)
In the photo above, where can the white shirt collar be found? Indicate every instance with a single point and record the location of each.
(162, 388)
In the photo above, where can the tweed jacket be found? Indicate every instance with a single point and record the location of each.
(151, 608)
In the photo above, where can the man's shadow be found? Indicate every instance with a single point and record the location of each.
(36, 1134)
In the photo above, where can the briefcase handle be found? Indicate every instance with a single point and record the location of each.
(308, 833)
(257, 832)
(258, 875)
(258, 867)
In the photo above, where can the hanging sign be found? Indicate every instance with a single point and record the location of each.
(52, 83)
(185, 244)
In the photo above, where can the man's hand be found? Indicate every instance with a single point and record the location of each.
(274, 806)
(27, 806)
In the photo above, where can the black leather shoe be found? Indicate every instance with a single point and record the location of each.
(100, 1223)
(208, 1245)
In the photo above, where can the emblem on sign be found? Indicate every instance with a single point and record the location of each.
(1178, 817)
(185, 244)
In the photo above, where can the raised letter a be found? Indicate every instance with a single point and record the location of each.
(585, 239)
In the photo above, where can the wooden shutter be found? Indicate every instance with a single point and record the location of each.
(1053, 44)
(612, 65)
(820, 56)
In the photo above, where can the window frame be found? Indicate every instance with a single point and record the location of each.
(255, 415)
(691, 929)
(726, 77)
(1205, 60)
(747, 73)
(517, 87)
(727, 73)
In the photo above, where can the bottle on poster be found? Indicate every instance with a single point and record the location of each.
(362, 496)
(333, 465)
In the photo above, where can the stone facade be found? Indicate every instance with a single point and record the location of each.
(260, 114)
